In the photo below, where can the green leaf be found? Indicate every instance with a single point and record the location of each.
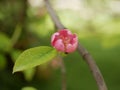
(28, 88)
(29, 73)
(34, 57)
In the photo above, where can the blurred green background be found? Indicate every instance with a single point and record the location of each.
(26, 23)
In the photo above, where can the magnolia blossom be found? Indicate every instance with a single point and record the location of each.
(64, 41)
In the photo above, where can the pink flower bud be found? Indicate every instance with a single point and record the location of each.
(64, 41)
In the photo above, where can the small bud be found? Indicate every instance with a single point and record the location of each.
(64, 41)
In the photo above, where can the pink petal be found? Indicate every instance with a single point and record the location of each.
(65, 32)
(68, 32)
(59, 45)
(64, 41)
(54, 38)
(74, 39)
(71, 48)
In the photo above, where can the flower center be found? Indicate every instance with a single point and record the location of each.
(65, 40)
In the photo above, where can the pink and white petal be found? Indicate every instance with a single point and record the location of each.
(65, 32)
(59, 45)
(68, 31)
(74, 39)
(71, 48)
(53, 38)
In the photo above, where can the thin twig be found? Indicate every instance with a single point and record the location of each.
(82, 51)
(63, 72)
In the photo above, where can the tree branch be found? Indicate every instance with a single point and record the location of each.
(53, 15)
(82, 51)
(93, 67)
